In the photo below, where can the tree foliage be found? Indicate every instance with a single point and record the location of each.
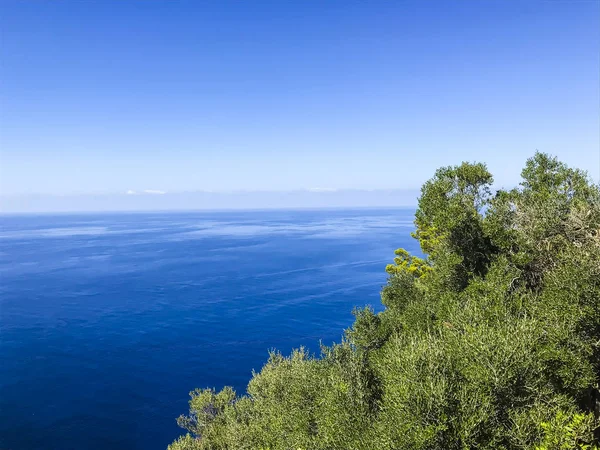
(489, 340)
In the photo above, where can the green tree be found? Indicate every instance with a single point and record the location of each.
(491, 340)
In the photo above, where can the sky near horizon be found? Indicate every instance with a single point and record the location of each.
(170, 96)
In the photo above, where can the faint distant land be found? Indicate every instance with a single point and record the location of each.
(158, 200)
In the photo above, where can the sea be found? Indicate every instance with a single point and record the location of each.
(108, 321)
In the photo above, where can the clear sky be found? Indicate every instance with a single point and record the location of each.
(113, 96)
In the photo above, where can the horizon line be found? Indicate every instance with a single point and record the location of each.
(161, 192)
(207, 210)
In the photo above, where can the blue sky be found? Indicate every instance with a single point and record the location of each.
(110, 96)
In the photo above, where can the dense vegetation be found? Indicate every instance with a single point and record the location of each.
(491, 341)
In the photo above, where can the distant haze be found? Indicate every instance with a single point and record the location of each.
(151, 200)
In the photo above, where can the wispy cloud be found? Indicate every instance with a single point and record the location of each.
(147, 191)
(320, 189)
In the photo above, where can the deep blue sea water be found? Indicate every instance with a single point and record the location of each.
(107, 321)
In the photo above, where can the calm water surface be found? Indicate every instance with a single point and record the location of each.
(107, 321)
